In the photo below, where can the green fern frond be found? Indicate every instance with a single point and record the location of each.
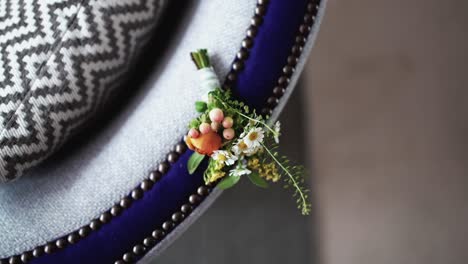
(294, 179)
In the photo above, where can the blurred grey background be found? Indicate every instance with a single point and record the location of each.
(383, 108)
(388, 111)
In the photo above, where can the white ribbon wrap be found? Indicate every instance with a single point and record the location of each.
(208, 81)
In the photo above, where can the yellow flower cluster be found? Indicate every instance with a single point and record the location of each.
(269, 171)
(253, 164)
(215, 171)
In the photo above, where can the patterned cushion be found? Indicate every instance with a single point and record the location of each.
(60, 60)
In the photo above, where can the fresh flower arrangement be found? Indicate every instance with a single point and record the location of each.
(238, 141)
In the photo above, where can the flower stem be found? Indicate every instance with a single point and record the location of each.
(200, 58)
(246, 116)
(294, 182)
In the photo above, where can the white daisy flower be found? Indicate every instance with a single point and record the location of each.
(252, 151)
(277, 129)
(224, 156)
(254, 137)
(239, 148)
(239, 171)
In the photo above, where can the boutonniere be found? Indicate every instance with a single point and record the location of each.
(238, 142)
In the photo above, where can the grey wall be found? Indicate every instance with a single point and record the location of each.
(388, 104)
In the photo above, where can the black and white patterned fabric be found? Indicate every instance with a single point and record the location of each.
(59, 61)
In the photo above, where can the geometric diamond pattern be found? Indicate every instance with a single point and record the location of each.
(59, 62)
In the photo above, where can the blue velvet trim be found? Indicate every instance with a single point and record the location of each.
(270, 51)
(120, 235)
(271, 47)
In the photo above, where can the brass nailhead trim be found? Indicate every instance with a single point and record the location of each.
(293, 58)
(106, 217)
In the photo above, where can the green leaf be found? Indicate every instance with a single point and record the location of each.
(200, 106)
(203, 118)
(194, 161)
(257, 180)
(195, 123)
(228, 182)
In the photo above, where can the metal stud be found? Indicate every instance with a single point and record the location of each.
(256, 21)
(177, 217)
(49, 248)
(292, 60)
(283, 81)
(278, 91)
(260, 10)
(252, 32)
(139, 250)
(137, 193)
(116, 210)
(267, 111)
(14, 260)
(263, 2)
(296, 50)
(272, 101)
(128, 257)
(300, 40)
(168, 225)
(288, 70)
(238, 65)
(163, 167)
(119, 262)
(125, 202)
(37, 252)
(158, 234)
(186, 208)
(308, 18)
(172, 157)
(84, 231)
(311, 7)
(194, 199)
(149, 242)
(243, 54)
(73, 238)
(203, 191)
(155, 176)
(95, 224)
(181, 148)
(146, 185)
(105, 217)
(231, 77)
(61, 243)
(304, 29)
(26, 257)
(247, 43)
